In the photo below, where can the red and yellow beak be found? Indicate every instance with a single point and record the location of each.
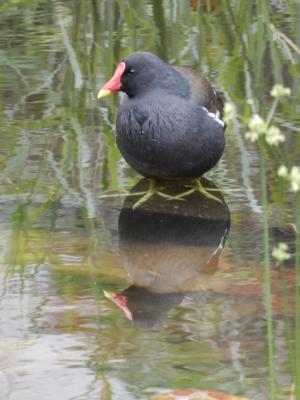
(120, 300)
(114, 84)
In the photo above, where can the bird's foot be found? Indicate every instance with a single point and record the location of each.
(197, 187)
(152, 191)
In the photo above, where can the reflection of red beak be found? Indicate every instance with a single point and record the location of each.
(114, 84)
(120, 300)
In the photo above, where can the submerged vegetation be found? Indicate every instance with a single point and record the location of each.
(63, 183)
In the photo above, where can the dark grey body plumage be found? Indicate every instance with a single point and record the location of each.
(163, 129)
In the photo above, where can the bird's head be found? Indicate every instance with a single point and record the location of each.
(139, 73)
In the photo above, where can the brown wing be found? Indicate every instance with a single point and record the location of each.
(202, 91)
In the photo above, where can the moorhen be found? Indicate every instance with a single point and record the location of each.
(169, 125)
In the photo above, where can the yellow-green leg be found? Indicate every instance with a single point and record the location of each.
(198, 187)
(152, 191)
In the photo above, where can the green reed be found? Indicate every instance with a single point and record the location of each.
(297, 300)
(267, 272)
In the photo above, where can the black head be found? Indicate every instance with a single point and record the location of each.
(142, 72)
(145, 72)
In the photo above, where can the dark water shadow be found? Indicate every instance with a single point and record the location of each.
(169, 248)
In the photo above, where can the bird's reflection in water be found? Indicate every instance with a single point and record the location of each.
(169, 248)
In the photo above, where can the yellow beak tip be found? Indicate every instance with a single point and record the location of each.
(109, 294)
(103, 93)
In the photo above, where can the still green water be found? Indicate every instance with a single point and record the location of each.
(193, 272)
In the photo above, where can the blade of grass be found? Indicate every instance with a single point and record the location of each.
(297, 301)
(72, 56)
(267, 273)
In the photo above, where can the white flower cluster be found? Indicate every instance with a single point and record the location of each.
(229, 112)
(280, 253)
(274, 136)
(258, 128)
(293, 176)
(280, 91)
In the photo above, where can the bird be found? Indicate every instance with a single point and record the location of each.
(169, 124)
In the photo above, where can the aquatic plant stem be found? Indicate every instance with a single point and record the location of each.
(272, 111)
(267, 271)
(297, 301)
